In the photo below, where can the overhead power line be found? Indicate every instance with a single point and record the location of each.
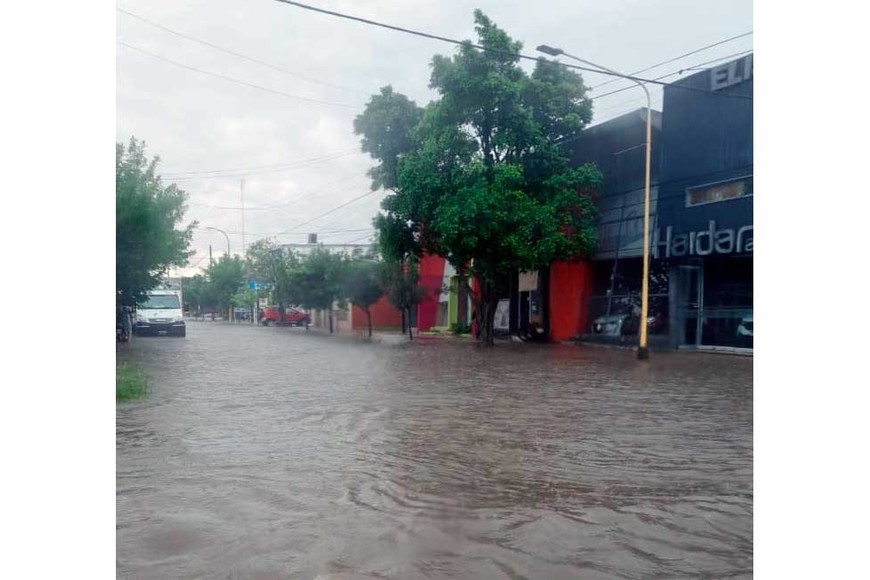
(194, 176)
(237, 81)
(365, 237)
(319, 232)
(518, 55)
(273, 165)
(676, 58)
(324, 214)
(281, 206)
(237, 54)
(679, 72)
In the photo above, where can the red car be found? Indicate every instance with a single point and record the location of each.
(292, 317)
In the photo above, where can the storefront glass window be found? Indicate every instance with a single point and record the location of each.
(614, 309)
(727, 308)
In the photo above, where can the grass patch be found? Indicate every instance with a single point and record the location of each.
(130, 382)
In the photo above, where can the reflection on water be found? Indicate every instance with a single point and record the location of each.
(272, 453)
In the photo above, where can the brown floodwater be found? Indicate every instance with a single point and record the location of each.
(276, 453)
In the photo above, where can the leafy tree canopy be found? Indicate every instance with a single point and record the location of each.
(364, 285)
(477, 175)
(225, 278)
(319, 280)
(149, 238)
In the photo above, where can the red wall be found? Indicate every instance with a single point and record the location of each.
(431, 278)
(570, 288)
(384, 315)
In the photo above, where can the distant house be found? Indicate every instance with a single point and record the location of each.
(350, 318)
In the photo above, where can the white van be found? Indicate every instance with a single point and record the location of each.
(161, 314)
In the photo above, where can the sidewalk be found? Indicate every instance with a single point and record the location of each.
(383, 336)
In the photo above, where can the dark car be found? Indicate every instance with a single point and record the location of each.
(292, 317)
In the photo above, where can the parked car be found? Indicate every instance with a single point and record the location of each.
(292, 317)
(744, 332)
(627, 323)
(744, 328)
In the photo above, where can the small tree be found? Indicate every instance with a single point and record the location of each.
(245, 299)
(364, 286)
(319, 282)
(196, 293)
(401, 281)
(225, 277)
(269, 262)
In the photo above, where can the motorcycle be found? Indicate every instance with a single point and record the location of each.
(123, 325)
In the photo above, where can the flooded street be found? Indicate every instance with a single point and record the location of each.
(275, 453)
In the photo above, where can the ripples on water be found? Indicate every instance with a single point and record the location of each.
(272, 453)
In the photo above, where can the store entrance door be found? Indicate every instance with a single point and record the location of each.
(690, 303)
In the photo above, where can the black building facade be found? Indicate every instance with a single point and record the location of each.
(617, 148)
(702, 240)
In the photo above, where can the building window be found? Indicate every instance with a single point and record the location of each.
(720, 191)
(614, 307)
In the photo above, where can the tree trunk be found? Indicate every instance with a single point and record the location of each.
(488, 303)
(410, 335)
(462, 299)
(369, 314)
(330, 321)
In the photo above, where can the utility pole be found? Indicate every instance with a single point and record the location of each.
(643, 347)
(242, 194)
(210, 260)
(243, 218)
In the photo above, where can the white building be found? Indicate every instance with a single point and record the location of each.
(347, 249)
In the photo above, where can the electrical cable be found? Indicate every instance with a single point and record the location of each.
(279, 206)
(516, 55)
(677, 73)
(279, 166)
(237, 54)
(676, 58)
(237, 81)
(297, 226)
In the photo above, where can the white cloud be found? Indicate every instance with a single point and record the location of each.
(196, 122)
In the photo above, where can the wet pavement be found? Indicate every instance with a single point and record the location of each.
(272, 453)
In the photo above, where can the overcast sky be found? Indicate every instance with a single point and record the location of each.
(299, 157)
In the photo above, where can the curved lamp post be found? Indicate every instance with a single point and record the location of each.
(643, 347)
(228, 255)
(225, 235)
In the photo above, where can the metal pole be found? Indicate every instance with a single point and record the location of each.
(643, 347)
(225, 235)
(243, 218)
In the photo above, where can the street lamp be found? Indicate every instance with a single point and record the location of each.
(225, 235)
(643, 347)
(231, 313)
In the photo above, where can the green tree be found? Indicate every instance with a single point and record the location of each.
(197, 293)
(245, 298)
(225, 278)
(269, 262)
(149, 238)
(260, 260)
(319, 281)
(401, 281)
(480, 179)
(386, 131)
(364, 286)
